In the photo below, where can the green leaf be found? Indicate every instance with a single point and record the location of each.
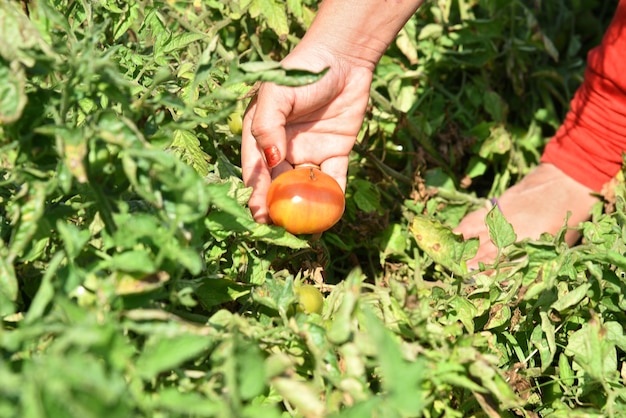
(163, 353)
(45, 293)
(275, 294)
(346, 296)
(131, 17)
(543, 337)
(136, 227)
(273, 72)
(30, 213)
(476, 167)
(615, 333)
(133, 261)
(274, 14)
(17, 36)
(401, 379)
(8, 284)
(613, 258)
(498, 142)
(465, 311)
(499, 315)
(394, 242)
(438, 178)
(441, 244)
(549, 271)
(187, 403)
(301, 395)
(566, 374)
(500, 230)
(455, 374)
(71, 384)
(295, 8)
(571, 298)
(592, 351)
(181, 41)
(366, 195)
(402, 94)
(431, 30)
(12, 92)
(221, 199)
(495, 106)
(492, 380)
(550, 47)
(214, 292)
(372, 407)
(74, 239)
(187, 146)
(251, 374)
(265, 411)
(407, 41)
(223, 224)
(166, 182)
(189, 258)
(278, 236)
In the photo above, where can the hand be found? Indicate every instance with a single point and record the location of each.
(537, 204)
(318, 123)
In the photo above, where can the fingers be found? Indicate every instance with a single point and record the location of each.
(473, 226)
(337, 168)
(255, 172)
(263, 144)
(486, 254)
(267, 116)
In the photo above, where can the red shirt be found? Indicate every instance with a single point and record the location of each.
(589, 144)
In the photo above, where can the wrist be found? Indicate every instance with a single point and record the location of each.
(358, 31)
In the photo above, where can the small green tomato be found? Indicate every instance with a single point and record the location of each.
(235, 122)
(310, 300)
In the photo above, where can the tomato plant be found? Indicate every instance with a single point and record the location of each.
(305, 200)
(134, 280)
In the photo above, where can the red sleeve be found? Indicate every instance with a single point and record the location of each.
(589, 144)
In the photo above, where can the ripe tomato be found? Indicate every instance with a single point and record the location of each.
(310, 299)
(305, 200)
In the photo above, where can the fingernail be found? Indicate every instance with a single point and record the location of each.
(272, 156)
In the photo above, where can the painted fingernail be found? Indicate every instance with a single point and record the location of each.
(272, 156)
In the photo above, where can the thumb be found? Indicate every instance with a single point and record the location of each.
(268, 113)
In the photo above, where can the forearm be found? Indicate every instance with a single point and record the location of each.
(588, 146)
(358, 30)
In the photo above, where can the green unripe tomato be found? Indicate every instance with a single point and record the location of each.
(235, 123)
(310, 299)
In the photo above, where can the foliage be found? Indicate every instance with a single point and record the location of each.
(134, 281)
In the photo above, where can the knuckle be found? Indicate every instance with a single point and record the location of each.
(261, 130)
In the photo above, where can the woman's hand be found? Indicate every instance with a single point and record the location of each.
(318, 123)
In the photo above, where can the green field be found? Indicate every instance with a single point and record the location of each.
(135, 283)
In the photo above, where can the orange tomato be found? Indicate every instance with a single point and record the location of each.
(305, 200)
